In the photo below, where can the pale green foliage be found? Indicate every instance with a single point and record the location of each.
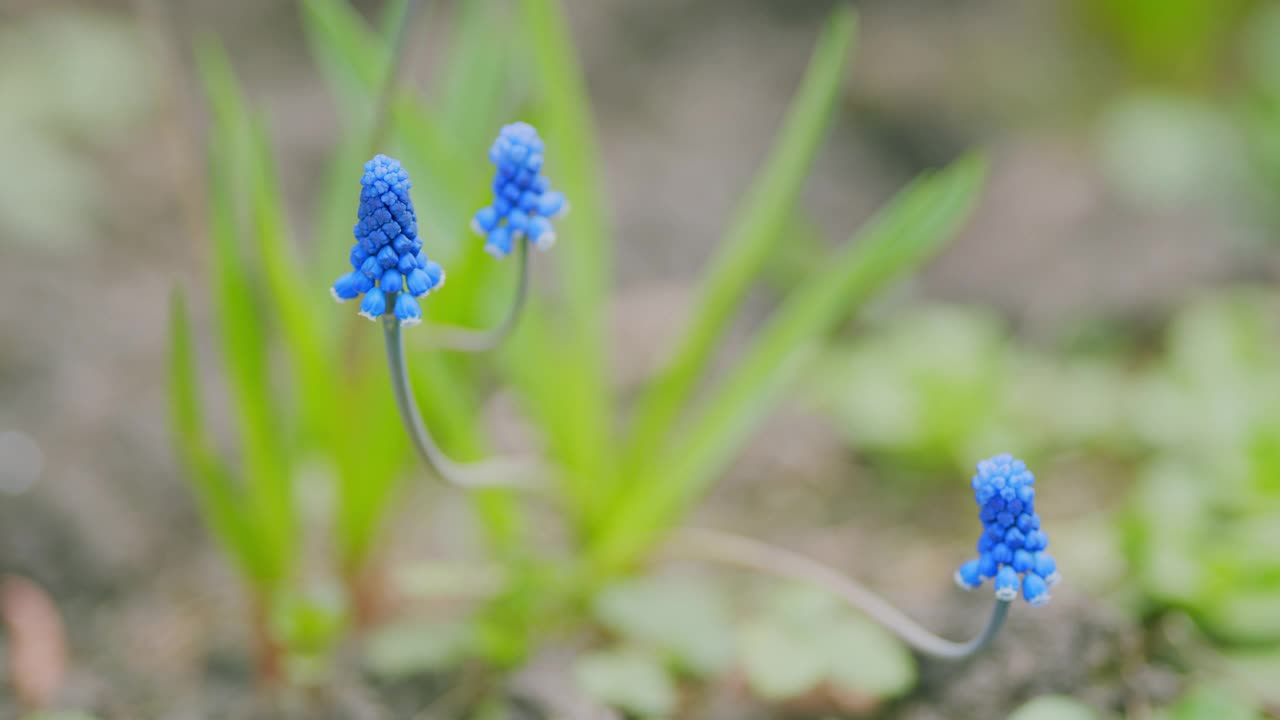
(308, 391)
(1054, 707)
(803, 638)
(687, 622)
(629, 679)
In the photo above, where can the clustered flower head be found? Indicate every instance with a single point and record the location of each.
(1012, 547)
(523, 201)
(388, 261)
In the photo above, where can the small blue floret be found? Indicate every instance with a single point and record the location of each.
(407, 310)
(523, 201)
(390, 268)
(374, 304)
(1035, 590)
(1007, 583)
(968, 576)
(1011, 548)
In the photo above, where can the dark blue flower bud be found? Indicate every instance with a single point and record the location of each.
(387, 253)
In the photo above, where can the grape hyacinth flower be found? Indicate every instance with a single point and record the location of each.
(1012, 547)
(523, 201)
(390, 268)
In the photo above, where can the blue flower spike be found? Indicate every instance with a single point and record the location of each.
(390, 268)
(523, 202)
(1012, 547)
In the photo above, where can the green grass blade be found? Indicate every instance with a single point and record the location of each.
(350, 52)
(215, 490)
(583, 425)
(445, 181)
(294, 300)
(899, 239)
(392, 15)
(760, 223)
(241, 323)
(473, 86)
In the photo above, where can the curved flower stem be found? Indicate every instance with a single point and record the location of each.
(474, 341)
(729, 549)
(498, 472)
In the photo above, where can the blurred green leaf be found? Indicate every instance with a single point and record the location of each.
(1054, 707)
(73, 82)
(686, 620)
(293, 298)
(1161, 152)
(310, 623)
(759, 224)
(864, 658)
(1214, 703)
(900, 238)
(214, 487)
(411, 648)
(348, 50)
(241, 327)
(581, 429)
(803, 638)
(1253, 673)
(1182, 41)
(631, 680)
(778, 665)
(473, 88)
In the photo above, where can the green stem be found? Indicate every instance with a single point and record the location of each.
(728, 549)
(475, 341)
(492, 473)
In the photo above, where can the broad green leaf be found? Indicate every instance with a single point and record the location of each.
(1206, 702)
(686, 620)
(413, 648)
(760, 223)
(777, 664)
(899, 239)
(1254, 672)
(630, 680)
(863, 657)
(1054, 707)
(804, 637)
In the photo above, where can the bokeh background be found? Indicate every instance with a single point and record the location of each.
(1109, 313)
